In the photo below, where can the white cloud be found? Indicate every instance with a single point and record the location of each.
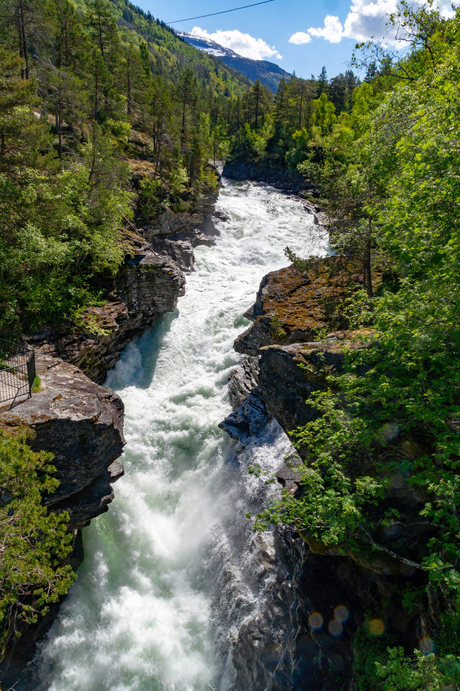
(299, 38)
(243, 44)
(366, 19)
(332, 30)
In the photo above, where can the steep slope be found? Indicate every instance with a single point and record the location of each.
(170, 54)
(268, 73)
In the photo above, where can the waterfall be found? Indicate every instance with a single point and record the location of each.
(173, 572)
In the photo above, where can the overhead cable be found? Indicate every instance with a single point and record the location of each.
(213, 14)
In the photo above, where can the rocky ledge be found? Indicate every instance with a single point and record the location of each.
(293, 306)
(147, 286)
(81, 423)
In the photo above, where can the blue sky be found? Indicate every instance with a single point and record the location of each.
(298, 35)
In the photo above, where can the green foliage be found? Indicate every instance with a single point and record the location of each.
(83, 87)
(388, 170)
(421, 672)
(34, 543)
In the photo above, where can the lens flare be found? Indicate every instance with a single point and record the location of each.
(335, 628)
(341, 613)
(376, 627)
(427, 646)
(315, 620)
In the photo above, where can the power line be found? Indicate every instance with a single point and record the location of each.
(213, 14)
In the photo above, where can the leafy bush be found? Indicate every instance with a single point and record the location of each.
(34, 543)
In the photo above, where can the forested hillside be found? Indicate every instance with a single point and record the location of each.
(87, 92)
(105, 116)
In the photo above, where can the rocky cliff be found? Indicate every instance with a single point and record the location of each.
(147, 286)
(289, 355)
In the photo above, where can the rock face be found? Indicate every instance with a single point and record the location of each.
(250, 414)
(310, 646)
(180, 246)
(81, 423)
(147, 286)
(289, 374)
(292, 307)
(279, 178)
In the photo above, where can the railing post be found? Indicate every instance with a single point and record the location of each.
(31, 372)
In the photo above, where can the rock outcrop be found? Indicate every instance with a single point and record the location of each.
(289, 374)
(177, 234)
(81, 423)
(294, 307)
(250, 414)
(147, 286)
(280, 178)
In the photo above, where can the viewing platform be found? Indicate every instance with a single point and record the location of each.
(17, 372)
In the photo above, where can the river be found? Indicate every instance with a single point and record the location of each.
(172, 570)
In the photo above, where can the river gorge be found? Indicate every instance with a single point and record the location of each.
(173, 577)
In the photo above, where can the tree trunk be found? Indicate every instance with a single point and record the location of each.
(128, 89)
(23, 42)
(59, 128)
(66, 45)
(96, 86)
(101, 42)
(300, 108)
(370, 292)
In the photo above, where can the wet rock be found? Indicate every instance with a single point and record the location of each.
(180, 251)
(288, 476)
(250, 412)
(81, 423)
(247, 420)
(220, 215)
(243, 380)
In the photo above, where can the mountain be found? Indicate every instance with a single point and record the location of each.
(268, 73)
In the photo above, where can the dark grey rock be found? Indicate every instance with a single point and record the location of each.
(242, 380)
(81, 423)
(249, 419)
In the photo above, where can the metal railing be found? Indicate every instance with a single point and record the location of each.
(17, 371)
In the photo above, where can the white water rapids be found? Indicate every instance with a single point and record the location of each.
(169, 572)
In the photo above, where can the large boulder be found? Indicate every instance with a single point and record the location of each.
(289, 374)
(81, 423)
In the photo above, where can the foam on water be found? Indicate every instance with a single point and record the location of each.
(168, 574)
